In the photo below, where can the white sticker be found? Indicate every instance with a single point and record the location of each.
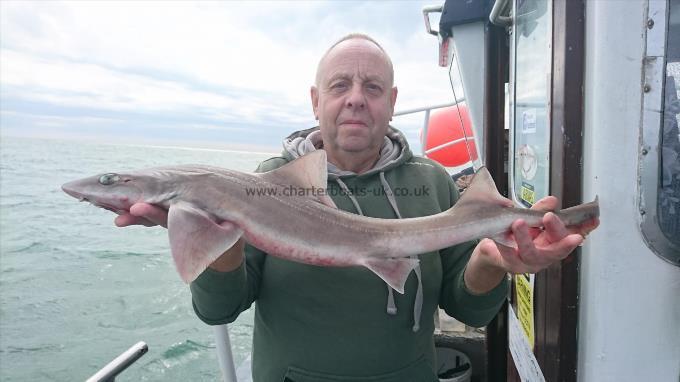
(529, 121)
(525, 361)
(528, 162)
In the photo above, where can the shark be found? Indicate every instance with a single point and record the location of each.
(304, 227)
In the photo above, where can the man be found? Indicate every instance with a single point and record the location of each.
(344, 324)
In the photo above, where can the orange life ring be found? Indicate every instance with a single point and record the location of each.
(445, 141)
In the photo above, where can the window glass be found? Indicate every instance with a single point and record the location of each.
(531, 127)
(468, 136)
(669, 189)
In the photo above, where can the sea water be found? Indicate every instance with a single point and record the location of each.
(76, 291)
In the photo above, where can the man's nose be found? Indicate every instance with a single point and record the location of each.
(356, 97)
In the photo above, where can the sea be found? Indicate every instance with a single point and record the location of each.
(76, 291)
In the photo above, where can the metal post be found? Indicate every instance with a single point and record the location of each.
(224, 354)
(109, 372)
(423, 134)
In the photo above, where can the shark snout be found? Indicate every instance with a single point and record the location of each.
(117, 196)
(70, 189)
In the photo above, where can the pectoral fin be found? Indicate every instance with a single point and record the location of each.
(196, 240)
(506, 239)
(393, 271)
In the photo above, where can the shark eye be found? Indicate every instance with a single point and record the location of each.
(108, 179)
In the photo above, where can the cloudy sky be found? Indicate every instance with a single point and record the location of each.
(230, 74)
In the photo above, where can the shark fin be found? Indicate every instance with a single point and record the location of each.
(480, 198)
(505, 238)
(196, 240)
(483, 190)
(393, 271)
(309, 172)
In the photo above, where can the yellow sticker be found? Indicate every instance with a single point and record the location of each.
(524, 287)
(528, 195)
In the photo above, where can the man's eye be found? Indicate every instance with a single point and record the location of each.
(339, 86)
(374, 88)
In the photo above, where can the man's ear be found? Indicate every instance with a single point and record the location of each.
(314, 93)
(393, 99)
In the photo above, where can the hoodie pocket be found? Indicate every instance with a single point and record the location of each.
(418, 371)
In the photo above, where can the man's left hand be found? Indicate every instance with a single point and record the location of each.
(536, 249)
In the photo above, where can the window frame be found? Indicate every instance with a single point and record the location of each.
(649, 155)
(512, 91)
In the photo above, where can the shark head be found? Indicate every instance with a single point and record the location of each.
(111, 191)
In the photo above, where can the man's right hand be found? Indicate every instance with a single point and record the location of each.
(143, 214)
(149, 215)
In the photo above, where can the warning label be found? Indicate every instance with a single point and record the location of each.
(524, 287)
(528, 195)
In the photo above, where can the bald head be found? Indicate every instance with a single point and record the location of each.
(353, 100)
(354, 39)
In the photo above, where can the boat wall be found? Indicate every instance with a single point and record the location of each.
(629, 311)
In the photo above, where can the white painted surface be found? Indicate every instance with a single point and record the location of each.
(524, 359)
(629, 313)
(468, 41)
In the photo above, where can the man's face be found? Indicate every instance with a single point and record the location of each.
(354, 98)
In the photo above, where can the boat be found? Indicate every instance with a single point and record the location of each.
(575, 99)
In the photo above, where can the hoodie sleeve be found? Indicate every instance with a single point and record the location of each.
(219, 297)
(456, 300)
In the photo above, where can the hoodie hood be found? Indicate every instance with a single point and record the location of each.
(394, 151)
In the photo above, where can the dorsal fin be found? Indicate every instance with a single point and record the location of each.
(483, 190)
(308, 173)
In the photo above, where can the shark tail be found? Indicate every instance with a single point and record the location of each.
(393, 271)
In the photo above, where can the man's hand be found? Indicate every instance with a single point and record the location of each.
(143, 214)
(536, 249)
(149, 215)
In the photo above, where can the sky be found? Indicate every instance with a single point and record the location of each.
(201, 74)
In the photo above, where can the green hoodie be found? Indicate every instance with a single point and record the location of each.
(317, 323)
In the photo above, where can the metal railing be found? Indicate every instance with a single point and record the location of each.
(426, 120)
(496, 16)
(109, 372)
(224, 353)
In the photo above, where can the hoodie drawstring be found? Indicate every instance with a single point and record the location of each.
(418, 305)
(351, 197)
(392, 151)
(391, 306)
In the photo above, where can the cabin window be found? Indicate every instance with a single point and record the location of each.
(669, 188)
(660, 149)
(530, 117)
(463, 154)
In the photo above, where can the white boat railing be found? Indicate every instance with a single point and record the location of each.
(109, 372)
(224, 353)
(426, 120)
